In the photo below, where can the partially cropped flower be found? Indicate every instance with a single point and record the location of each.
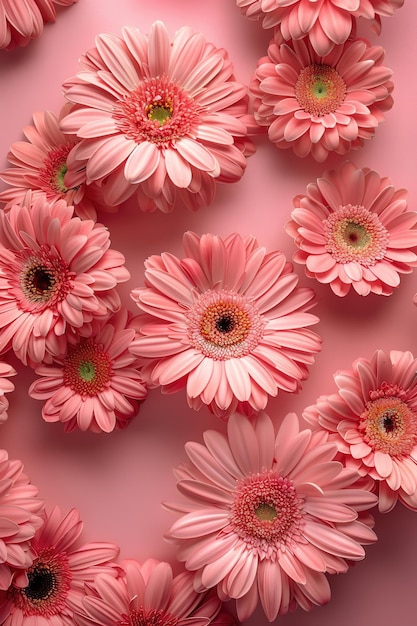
(57, 274)
(20, 517)
(318, 104)
(268, 514)
(325, 22)
(354, 230)
(147, 594)
(6, 386)
(228, 322)
(97, 385)
(373, 420)
(21, 21)
(162, 119)
(47, 592)
(40, 164)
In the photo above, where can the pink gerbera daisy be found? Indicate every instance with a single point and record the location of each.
(147, 595)
(46, 593)
(97, 384)
(57, 273)
(269, 514)
(159, 118)
(6, 386)
(227, 322)
(373, 420)
(325, 22)
(353, 229)
(20, 517)
(317, 104)
(23, 20)
(40, 164)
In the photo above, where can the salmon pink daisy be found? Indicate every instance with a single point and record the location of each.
(6, 386)
(97, 384)
(268, 514)
(227, 322)
(57, 274)
(147, 594)
(47, 592)
(158, 118)
(20, 517)
(318, 104)
(325, 22)
(373, 420)
(353, 229)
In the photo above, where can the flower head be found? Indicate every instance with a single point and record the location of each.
(268, 514)
(373, 420)
(97, 384)
(354, 230)
(6, 386)
(158, 118)
(317, 104)
(228, 322)
(57, 274)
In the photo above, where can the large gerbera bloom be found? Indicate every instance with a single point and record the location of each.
(227, 322)
(40, 164)
(353, 229)
(97, 384)
(159, 118)
(46, 593)
(147, 594)
(373, 420)
(6, 386)
(325, 22)
(57, 273)
(23, 20)
(317, 104)
(269, 514)
(20, 517)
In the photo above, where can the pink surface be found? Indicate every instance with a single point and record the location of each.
(118, 481)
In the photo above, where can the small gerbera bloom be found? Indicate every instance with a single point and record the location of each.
(147, 594)
(228, 322)
(317, 104)
(97, 385)
(158, 118)
(373, 420)
(22, 21)
(47, 591)
(20, 517)
(6, 386)
(268, 514)
(40, 164)
(353, 229)
(57, 274)
(325, 22)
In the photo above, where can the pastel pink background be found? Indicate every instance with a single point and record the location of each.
(118, 481)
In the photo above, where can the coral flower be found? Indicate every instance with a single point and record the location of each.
(269, 514)
(6, 386)
(158, 118)
(317, 104)
(97, 384)
(325, 22)
(147, 595)
(373, 420)
(353, 229)
(227, 322)
(47, 591)
(20, 517)
(57, 274)
(40, 164)
(21, 21)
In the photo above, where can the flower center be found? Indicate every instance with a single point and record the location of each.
(320, 89)
(224, 325)
(49, 581)
(388, 424)
(87, 369)
(266, 512)
(152, 617)
(52, 174)
(44, 279)
(158, 111)
(355, 234)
